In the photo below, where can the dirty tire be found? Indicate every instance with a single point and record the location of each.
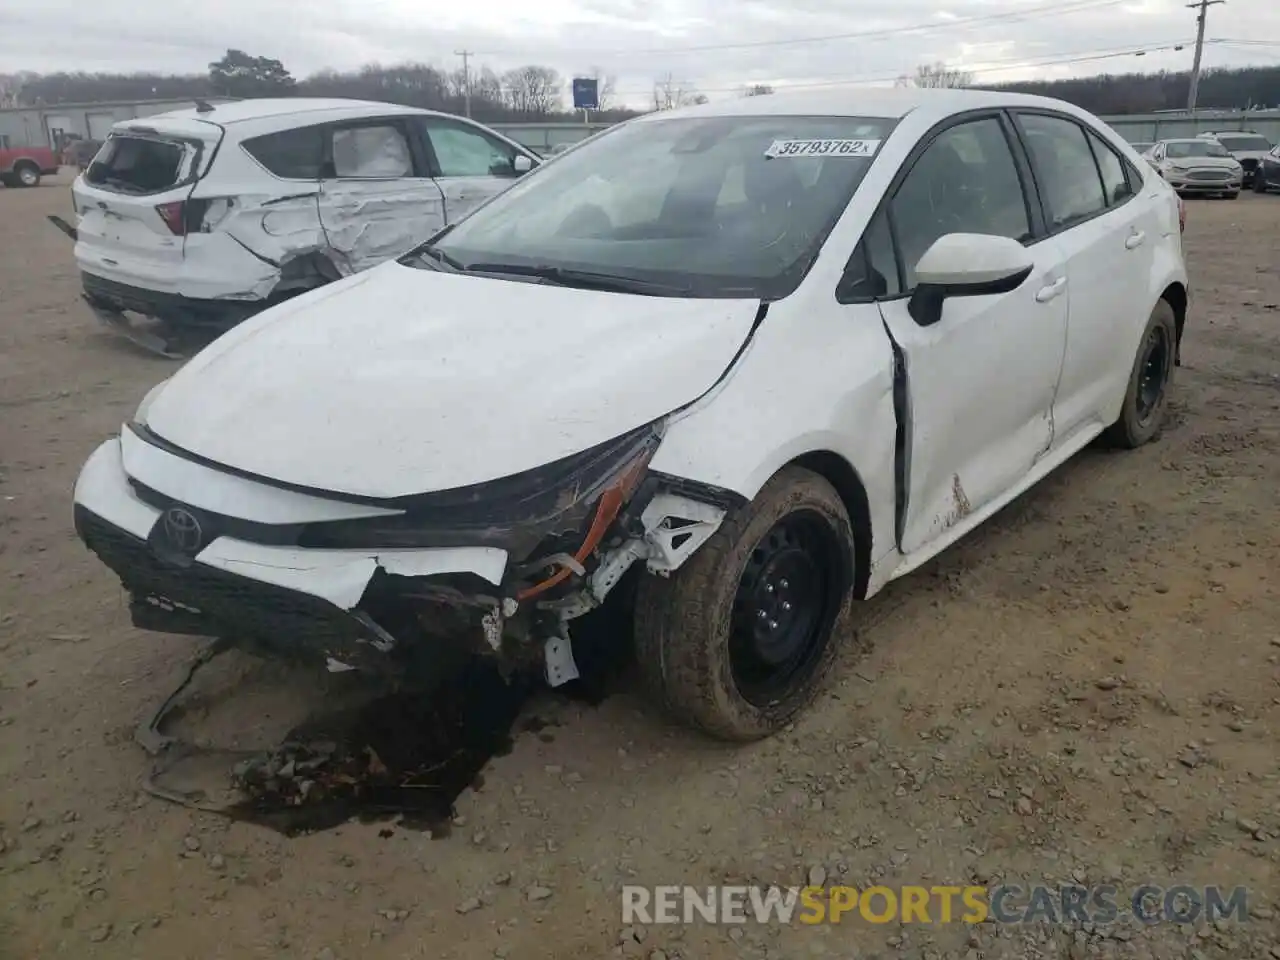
(684, 624)
(26, 175)
(1133, 428)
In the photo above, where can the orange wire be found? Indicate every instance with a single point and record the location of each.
(610, 504)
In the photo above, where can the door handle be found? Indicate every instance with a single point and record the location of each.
(1135, 240)
(1045, 294)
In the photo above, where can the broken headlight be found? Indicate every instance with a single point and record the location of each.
(517, 513)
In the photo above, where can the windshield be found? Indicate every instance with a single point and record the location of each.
(1177, 149)
(1260, 144)
(732, 207)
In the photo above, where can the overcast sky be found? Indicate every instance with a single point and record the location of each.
(838, 42)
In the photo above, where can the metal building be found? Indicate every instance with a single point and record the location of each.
(52, 126)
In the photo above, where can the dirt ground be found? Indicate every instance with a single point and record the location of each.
(1087, 690)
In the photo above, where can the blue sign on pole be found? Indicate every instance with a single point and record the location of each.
(586, 93)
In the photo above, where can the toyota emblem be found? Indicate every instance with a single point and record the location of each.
(182, 530)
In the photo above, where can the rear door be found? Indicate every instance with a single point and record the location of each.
(129, 202)
(471, 164)
(377, 198)
(1094, 207)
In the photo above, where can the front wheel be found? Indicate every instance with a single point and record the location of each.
(1142, 415)
(738, 640)
(1259, 183)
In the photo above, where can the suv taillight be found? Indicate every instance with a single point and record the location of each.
(184, 217)
(173, 216)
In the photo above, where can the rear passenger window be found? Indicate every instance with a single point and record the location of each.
(374, 151)
(290, 154)
(1065, 169)
(966, 181)
(1114, 181)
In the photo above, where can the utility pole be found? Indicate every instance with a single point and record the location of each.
(1203, 6)
(466, 74)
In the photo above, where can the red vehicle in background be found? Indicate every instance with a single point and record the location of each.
(24, 166)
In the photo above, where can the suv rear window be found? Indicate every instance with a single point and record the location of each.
(131, 164)
(290, 154)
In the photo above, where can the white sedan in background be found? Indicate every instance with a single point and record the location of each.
(733, 367)
(1197, 165)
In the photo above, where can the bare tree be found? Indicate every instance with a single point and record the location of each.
(937, 75)
(669, 93)
(757, 90)
(532, 90)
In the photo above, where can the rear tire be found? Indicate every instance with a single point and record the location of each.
(1142, 415)
(1259, 183)
(738, 640)
(26, 175)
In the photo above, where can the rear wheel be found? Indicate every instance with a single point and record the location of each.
(27, 175)
(1142, 415)
(1259, 182)
(738, 640)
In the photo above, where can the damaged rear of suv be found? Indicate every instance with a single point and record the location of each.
(201, 218)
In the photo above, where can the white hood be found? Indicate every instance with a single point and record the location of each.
(400, 381)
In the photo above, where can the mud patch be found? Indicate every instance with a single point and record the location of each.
(404, 755)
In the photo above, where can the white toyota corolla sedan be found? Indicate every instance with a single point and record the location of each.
(739, 365)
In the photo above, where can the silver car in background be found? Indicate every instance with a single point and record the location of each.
(1197, 165)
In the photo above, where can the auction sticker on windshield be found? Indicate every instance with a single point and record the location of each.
(823, 148)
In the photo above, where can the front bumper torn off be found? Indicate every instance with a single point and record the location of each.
(413, 608)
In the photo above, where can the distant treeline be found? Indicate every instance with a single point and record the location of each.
(539, 93)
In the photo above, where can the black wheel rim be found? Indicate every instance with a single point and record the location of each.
(785, 607)
(1153, 373)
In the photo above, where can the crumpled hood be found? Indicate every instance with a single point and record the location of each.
(401, 381)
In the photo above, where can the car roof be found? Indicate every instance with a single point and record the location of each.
(888, 103)
(316, 110)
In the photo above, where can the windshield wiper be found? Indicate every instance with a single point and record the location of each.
(584, 279)
(437, 258)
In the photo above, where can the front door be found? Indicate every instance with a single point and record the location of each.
(471, 165)
(980, 381)
(377, 199)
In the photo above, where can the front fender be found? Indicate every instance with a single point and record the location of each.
(815, 383)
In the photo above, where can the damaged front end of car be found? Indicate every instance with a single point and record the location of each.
(404, 594)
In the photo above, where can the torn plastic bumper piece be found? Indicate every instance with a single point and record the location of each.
(278, 620)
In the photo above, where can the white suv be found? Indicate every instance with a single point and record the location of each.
(203, 217)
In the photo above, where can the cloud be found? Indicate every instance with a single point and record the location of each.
(717, 46)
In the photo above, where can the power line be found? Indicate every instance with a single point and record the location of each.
(1194, 89)
(1029, 13)
(989, 66)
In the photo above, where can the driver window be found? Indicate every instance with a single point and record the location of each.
(463, 152)
(966, 181)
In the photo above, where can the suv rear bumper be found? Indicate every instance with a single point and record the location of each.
(115, 297)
